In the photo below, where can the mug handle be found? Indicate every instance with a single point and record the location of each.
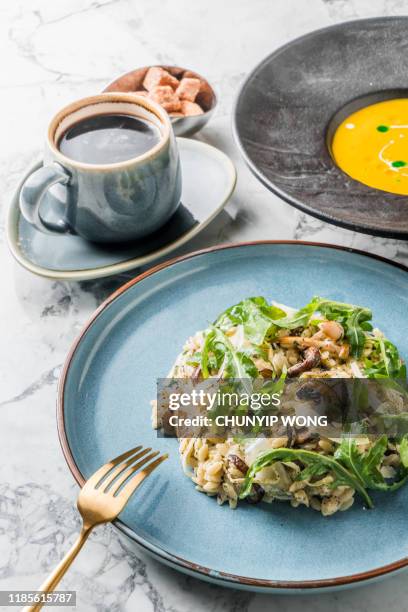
(32, 193)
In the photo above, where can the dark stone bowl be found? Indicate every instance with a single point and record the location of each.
(289, 106)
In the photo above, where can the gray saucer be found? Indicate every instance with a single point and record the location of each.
(289, 105)
(208, 181)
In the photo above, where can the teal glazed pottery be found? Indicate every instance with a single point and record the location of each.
(71, 257)
(114, 202)
(109, 379)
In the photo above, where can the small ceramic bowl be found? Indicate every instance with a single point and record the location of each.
(182, 126)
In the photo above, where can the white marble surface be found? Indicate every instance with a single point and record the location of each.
(53, 52)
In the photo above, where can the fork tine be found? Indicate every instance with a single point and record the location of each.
(125, 475)
(99, 474)
(136, 480)
(107, 482)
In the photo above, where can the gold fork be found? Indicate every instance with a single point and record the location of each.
(101, 499)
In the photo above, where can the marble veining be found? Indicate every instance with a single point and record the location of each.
(54, 52)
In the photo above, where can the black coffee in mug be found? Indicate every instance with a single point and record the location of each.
(108, 139)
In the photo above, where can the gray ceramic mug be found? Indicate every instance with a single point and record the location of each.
(105, 202)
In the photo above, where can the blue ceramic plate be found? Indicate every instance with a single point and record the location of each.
(110, 377)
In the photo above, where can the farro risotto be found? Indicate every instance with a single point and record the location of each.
(324, 339)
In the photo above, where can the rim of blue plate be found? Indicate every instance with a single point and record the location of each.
(296, 202)
(185, 565)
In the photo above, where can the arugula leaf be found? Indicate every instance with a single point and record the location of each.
(313, 470)
(365, 465)
(403, 451)
(218, 352)
(388, 365)
(308, 458)
(255, 315)
(354, 331)
(194, 360)
(276, 385)
(300, 318)
(354, 319)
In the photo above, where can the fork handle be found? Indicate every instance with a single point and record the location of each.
(53, 579)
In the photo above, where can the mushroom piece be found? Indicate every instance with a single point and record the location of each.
(256, 495)
(303, 435)
(311, 360)
(322, 397)
(238, 463)
(301, 343)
